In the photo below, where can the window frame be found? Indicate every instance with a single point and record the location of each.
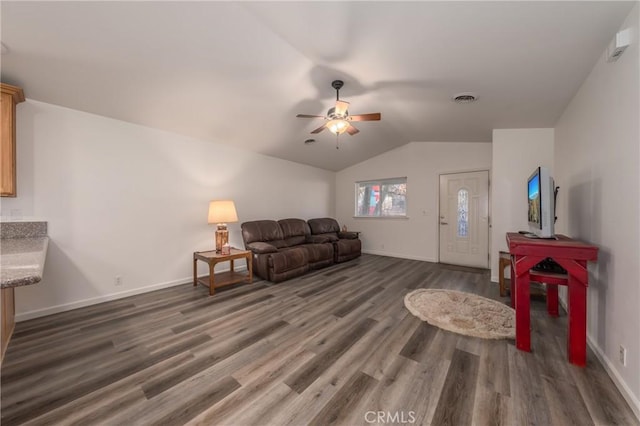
(380, 182)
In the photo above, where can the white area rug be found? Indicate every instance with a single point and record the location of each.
(463, 313)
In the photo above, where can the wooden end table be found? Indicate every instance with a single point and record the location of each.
(222, 278)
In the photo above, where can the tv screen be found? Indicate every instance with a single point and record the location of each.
(534, 198)
(541, 203)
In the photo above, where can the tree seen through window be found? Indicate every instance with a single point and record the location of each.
(386, 197)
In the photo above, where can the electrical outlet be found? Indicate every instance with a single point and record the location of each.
(117, 280)
(623, 356)
(382, 246)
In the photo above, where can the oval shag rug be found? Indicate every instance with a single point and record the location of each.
(463, 313)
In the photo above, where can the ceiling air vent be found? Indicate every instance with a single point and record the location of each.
(464, 98)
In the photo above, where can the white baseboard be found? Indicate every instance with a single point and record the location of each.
(24, 316)
(98, 299)
(612, 371)
(402, 256)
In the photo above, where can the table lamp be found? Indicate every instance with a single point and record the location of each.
(222, 212)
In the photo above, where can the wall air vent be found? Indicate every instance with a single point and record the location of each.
(464, 98)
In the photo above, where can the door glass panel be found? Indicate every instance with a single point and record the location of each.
(463, 213)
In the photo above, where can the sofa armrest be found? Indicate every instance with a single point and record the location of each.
(348, 235)
(259, 247)
(317, 239)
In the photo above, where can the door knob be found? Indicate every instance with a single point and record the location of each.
(444, 223)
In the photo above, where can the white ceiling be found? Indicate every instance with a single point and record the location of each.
(239, 72)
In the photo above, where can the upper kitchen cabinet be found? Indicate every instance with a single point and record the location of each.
(11, 95)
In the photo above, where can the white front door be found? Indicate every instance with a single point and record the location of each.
(464, 219)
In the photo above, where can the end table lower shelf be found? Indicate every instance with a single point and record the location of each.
(221, 279)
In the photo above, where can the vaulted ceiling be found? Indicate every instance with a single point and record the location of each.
(239, 72)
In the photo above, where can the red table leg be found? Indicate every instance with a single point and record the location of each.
(552, 300)
(577, 334)
(523, 318)
(512, 290)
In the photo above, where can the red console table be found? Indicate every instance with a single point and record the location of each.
(573, 256)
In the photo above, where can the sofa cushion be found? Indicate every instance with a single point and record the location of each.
(323, 225)
(295, 241)
(318, 239)
(261, 230)
(279, 243)
(261, 248)
(294, 228)
(295, 231)
(288, 259)
(319, 252)
(329, 237)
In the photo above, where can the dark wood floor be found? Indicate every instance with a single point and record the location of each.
(333, 347)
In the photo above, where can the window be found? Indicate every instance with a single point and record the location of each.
(463, 213)
(382, 198)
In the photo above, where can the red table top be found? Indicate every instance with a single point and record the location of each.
(561, 247)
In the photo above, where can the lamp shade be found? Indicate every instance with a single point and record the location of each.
(222, 211)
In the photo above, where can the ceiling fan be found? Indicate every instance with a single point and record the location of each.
(338, 119)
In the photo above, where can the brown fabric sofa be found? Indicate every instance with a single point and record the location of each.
(287, 248)
(346, 245)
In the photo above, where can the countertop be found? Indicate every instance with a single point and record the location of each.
(22, 256)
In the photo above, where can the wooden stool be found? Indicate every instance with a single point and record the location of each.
(504, 262)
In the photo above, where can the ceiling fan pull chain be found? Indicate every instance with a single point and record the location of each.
(337, 139)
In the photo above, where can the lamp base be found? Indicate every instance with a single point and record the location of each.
(222, 237)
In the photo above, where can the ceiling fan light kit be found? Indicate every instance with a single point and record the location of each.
(338, 120)
(337, 127)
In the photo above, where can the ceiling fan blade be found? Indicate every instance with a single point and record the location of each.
(319, 129)
(352, 130)
(309, 116)
(374, 116)
(341, 108)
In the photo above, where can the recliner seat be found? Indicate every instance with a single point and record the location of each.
(272, 258)
(346, 245)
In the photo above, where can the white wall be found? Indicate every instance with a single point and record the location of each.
(123, 199)
(597, 152)
(422, 163)
(516, 154)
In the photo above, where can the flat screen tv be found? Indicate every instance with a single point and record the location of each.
(541, 192)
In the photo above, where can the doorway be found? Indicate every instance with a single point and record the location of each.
(464, 219)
